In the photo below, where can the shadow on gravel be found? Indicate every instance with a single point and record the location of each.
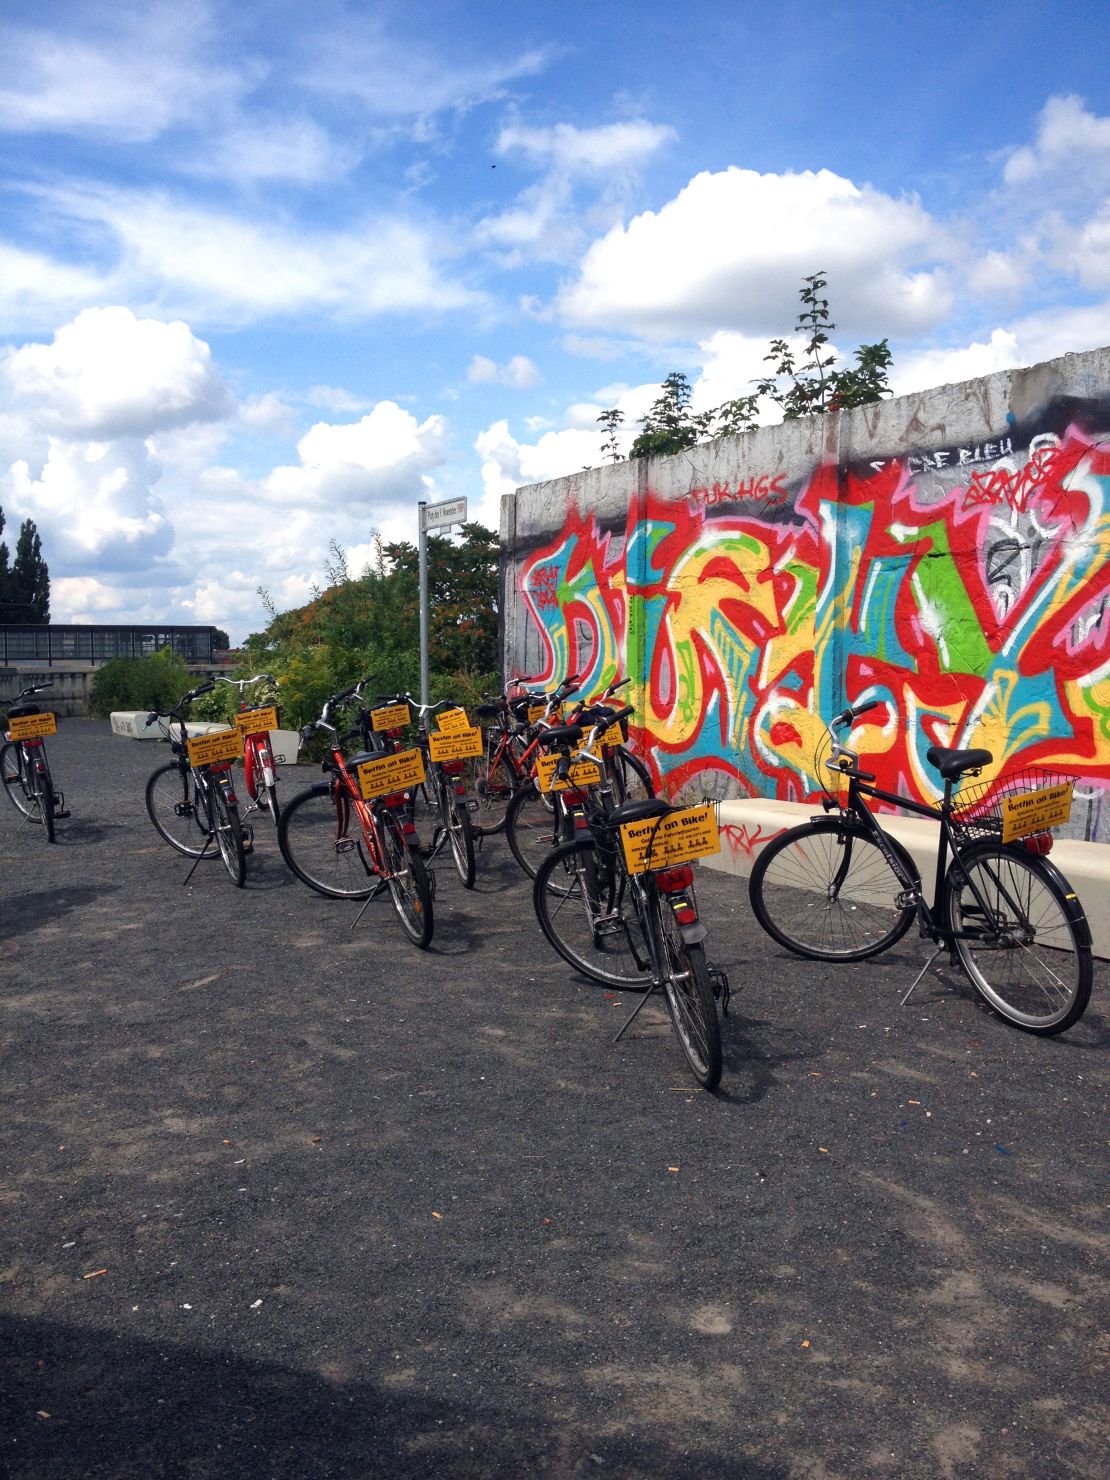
(83, 1403)
(24, 913)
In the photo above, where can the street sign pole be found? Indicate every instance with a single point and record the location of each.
(423, 566)
(432, 516)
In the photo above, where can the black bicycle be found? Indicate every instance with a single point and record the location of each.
(24, 765)
(840, 888)
(193, 804)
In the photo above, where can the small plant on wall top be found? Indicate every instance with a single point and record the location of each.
(800, 386)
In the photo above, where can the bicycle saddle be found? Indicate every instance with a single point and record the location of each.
(953, 763)
(562, 734)
(17, 710)
(640, 811)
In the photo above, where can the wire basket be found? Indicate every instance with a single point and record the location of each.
(1025, 802)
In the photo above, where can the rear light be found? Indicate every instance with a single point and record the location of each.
(1039, 843)
(453, 768)
(397, 800)
(33, 744)
(672, 880)
(685, 914)
(573, 796)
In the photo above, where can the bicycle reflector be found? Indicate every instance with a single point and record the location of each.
(1039, 843)
(674, 880)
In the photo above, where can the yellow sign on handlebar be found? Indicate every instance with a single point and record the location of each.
(677, 837)
(224, 745)
(452, 722)
(390, 717)
(254, 721)
(582, 773)
(457, 746)
(397, 772)
(32, 726)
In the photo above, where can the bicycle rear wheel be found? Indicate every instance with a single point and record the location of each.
(409, 885)
(460, 835)
(690, 1001)
(584, 905)
(629, 777)
(229, 832)
(261, 774)
(1029, 956)
(176, 809)
(17, 779)
(825, 891)
(322, 843)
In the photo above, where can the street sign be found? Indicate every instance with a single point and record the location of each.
(450, 511)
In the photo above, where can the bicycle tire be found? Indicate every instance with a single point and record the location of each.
(316, 841)
(533, 827)
(460, 834)
(175, 808)
(589, 918)
(263, 792)
(629, 777)
(792, 891)
(229, 832)
(1032, 963)
(690, 1001)
(492, 788)
(14, 772)
(410, 887)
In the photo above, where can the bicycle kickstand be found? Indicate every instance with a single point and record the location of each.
(920, 974)
(379, 889)
(210, 838)
(630, 1019)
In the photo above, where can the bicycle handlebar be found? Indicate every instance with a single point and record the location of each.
(853, 712)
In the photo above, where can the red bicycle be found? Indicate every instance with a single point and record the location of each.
(259, 766)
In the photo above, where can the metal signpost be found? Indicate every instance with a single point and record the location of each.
(432, 516)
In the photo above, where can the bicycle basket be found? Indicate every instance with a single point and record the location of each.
(1025, 802)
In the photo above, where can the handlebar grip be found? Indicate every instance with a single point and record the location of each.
(308, 732)
(622, 714)
(854, 711)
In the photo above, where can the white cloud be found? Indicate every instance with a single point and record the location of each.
(730, 250)
(191, 262)
(508, 464)
(126, 73)
(34, 289)
(1071, 142)
(518, 373)
(108, 374)
(587, 151)
(384, 459)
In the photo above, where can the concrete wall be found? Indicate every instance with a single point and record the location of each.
(945, 552)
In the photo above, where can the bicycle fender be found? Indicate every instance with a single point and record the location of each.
(694, 934)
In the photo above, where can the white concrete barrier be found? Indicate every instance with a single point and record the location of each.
(133, 725)
(747, 825)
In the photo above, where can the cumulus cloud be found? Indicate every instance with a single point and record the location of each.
(508, 464)
(109, 374)
(384, 459)
(731, 248)
(519, 373)
(1071, 142)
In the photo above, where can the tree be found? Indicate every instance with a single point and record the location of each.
(803, 388)
(26, 593)
(5, 575)
(610, 422)
(463, 597)
(220, 640)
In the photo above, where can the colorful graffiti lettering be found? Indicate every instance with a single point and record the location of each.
(974, 604)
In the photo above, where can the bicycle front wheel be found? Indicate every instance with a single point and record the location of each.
(176, 809)
(409, 885)
(826, 891)
(690, 1000)
(585, 907)
(629, 777)
(492, 783)
(262, 780)
(17, 781)
(534, 824)
(1029, 953)
(229, 833)
(322, 843)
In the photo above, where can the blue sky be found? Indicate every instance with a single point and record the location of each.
(269, 274)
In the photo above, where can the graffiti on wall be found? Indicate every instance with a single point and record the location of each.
(971, 599)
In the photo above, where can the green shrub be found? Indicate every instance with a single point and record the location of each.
(154, 682)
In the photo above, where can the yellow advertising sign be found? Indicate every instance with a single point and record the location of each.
(32, 726)
(390, 717)
(224, 745)
(582, 773)
(1034, 811)
(254, 721)
(677, 837)
(535, 712)
(613, 736)
(397, 772)
(456, 746)
(452, 722)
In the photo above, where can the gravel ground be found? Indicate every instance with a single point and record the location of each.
(282, 1201)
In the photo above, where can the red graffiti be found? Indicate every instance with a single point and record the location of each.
(1014, 486)
(744, 839)
(765, 488)
(544, 586)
